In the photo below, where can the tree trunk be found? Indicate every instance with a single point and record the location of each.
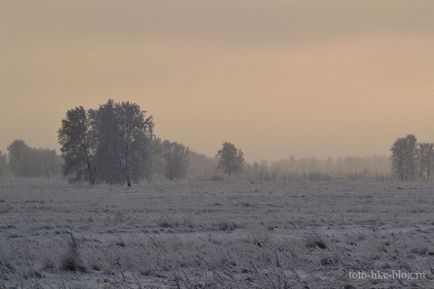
(91, 176)
(421, 170)
(128, 180)
(127, 166)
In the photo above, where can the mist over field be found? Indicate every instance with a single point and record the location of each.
(216, 144)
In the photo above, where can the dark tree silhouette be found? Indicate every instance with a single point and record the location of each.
(404, 157)
(123, 142)
(3, 164)
(77, 145)
(426, 159)
(110, 144)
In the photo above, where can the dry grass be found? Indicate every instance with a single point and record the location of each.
(71, 260)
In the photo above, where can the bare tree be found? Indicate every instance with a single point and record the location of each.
(230, 159)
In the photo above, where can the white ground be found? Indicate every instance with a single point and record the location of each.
(214, 234)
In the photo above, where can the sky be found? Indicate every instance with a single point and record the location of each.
(277, 78)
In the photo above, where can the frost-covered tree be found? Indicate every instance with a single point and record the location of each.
(77, 145)
(426, 159)
(105, 128)
(111, 144)
(18, 152)
(136, 133)
(230, 159)
(175, 158)
(404, 157)
(411, 157)
(3, 164)
(172, 160)
(200, 166)
(49, 162)
(123, 142)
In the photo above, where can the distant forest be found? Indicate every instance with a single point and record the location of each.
(115, 143)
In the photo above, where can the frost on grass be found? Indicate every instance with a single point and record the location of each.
(71, 260)
(213, 234)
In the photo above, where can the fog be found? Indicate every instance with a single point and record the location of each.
(278, 78)
(244, 144)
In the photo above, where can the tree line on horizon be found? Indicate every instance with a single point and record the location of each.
(201, 167)
(115, 143)
(24, 161)
(319, 169)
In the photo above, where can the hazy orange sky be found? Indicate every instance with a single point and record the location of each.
(277, 78)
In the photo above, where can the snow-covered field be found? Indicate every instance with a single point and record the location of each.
(216, 234)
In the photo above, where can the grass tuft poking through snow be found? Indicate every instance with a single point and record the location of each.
(314, 240)
(71, 260)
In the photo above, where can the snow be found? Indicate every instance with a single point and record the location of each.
(204, 234)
